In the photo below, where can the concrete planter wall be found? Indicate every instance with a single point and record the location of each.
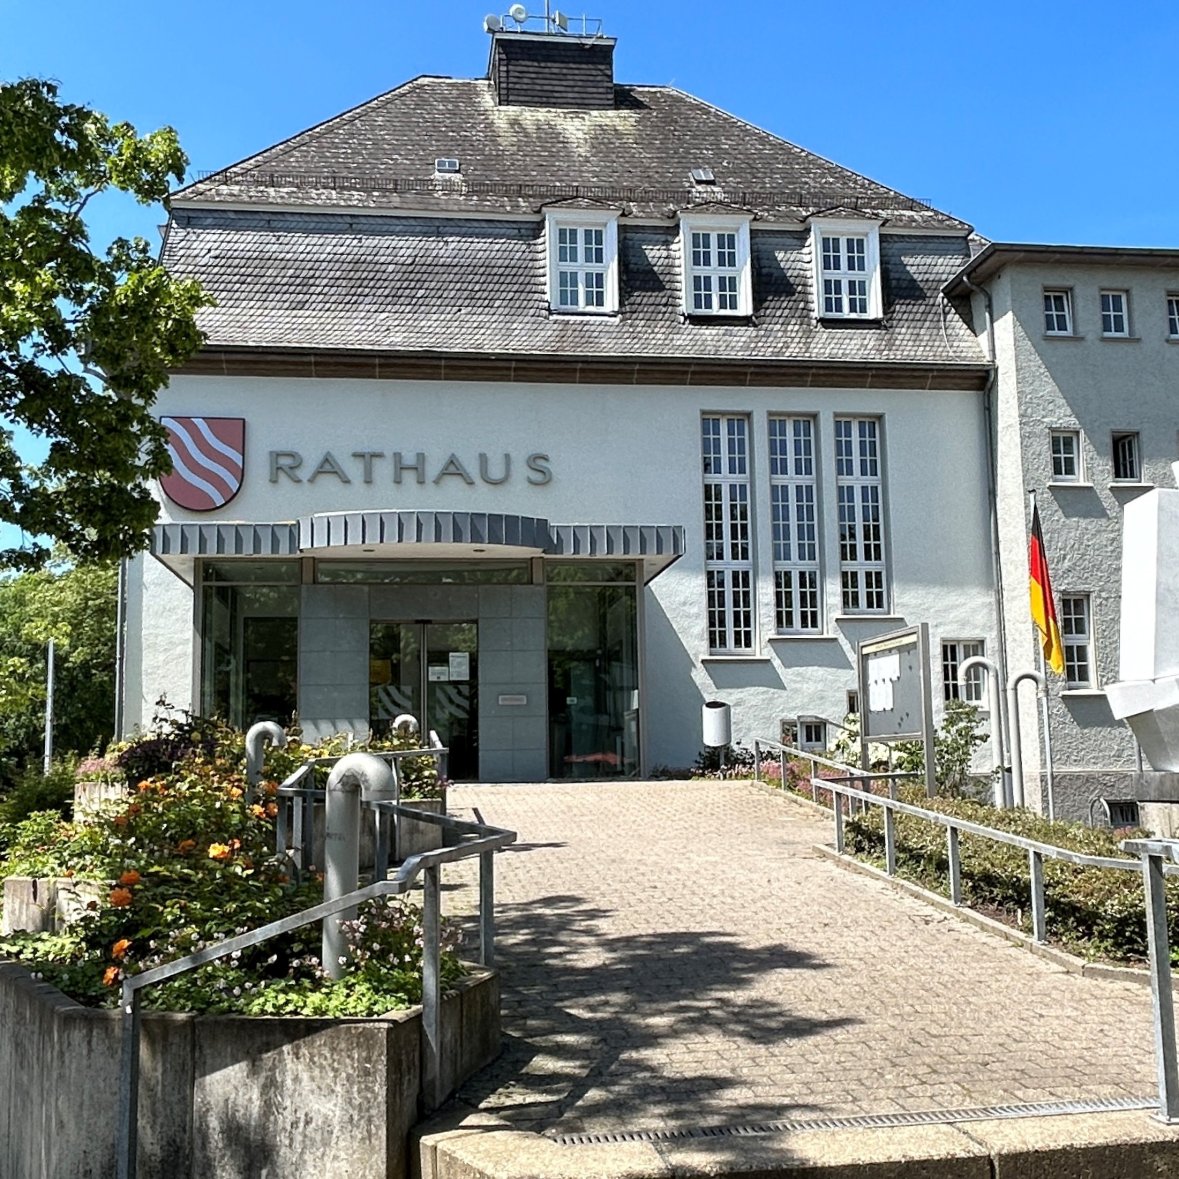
(45, 904)
(91, 796)
(224, 1097)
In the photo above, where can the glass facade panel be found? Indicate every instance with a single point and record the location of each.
(422, 573)
(601, 572)
(593, 681)
(251, 572)
(250, 652)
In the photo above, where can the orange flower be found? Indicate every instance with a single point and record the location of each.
(272, 810)
(234, 792)
(219, 851)
(259, 812)
(120, 820)
(129, 877)
(269, 788)
(185, 846)
(120, 948)
(120, 897)
(110, 976)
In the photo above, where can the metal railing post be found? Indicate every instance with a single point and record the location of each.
(128, 1140)
(756, 760)
(782, 768)
(1039, 916)
(431, 997)
(890, 841)
(487, 908)
(955, 856)
(382, 822)
(1153, 853)
(837, 811)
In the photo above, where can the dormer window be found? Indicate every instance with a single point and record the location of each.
(716, 265)
(583, 261)
(847, 269)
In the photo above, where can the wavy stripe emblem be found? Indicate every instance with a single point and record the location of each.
(208, 461)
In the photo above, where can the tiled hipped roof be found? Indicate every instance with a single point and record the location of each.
(426, 284)
(381, 155)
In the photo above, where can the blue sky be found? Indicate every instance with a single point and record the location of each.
(1032, 121)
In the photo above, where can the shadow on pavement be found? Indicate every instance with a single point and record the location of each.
(594, 1019)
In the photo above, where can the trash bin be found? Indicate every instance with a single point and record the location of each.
(718, 723)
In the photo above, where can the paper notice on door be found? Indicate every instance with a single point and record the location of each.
(460, 665)
(439, 673)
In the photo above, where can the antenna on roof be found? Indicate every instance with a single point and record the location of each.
(492, 23)
(518, 13)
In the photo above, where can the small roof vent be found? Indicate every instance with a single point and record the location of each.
(703, 176)
(446, 166)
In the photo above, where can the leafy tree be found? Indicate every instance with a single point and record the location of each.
(76, 608)
(86, 338)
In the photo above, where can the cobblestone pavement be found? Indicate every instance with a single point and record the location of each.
(674, 954)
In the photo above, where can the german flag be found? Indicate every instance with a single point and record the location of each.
(1040, 589)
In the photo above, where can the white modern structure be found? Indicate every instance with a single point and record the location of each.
(551, 408)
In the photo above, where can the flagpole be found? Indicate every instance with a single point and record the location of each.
(1044, 713)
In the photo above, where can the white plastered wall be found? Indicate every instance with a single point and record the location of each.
(618, 454)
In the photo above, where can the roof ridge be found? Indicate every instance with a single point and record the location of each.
(283, 146)
(806, 151)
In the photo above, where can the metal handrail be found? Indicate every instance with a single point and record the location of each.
(1157, 859)
(426, 864)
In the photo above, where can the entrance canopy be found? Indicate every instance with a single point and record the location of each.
(394, 535)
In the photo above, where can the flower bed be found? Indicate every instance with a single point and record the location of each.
(187, 859)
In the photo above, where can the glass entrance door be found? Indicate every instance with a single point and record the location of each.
(429, 670)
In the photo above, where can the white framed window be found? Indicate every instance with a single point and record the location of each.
(717, 278)
(1126, 465)
(853, 702)
(955, 686)
(1066, 456)
(1076, 634)
(583, 261)
(812, 733)
(1058, 312)
(728, 533)
(1115, 313)
(847, 269)
(794, 525)
(1173, 316)
(859, 482)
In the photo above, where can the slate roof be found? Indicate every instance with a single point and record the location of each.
(429, 284)
(514, 159)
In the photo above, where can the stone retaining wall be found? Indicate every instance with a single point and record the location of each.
(224, 1097)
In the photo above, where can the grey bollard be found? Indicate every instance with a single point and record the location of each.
(351, 776)
(259, 736)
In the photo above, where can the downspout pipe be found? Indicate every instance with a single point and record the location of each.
(992, 472)
(999, 721)
(1013, 735)
(359, 775)
(259, 736)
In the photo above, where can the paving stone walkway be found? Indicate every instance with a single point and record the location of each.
(675, 955)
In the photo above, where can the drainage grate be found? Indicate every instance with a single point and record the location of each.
(926, 1117)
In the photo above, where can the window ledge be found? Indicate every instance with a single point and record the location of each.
(1122, 339)
(1062, 336)
(1056, 484)
(583, 313)
(867, 616)
(740, 318)
(1079, 693)
(735, 659)
(860, 321)
(803, 636)
(1130, 485)
(1172, 340)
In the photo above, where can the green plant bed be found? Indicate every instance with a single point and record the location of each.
(187, 860)
(1095, 912)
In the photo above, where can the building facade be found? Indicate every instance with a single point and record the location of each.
(547, 409)
(1087, 365)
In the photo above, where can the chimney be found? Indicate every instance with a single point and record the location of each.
(552, 69)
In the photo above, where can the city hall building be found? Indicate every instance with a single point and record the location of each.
(547, 408)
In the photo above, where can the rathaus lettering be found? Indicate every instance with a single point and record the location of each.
(375, 466)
